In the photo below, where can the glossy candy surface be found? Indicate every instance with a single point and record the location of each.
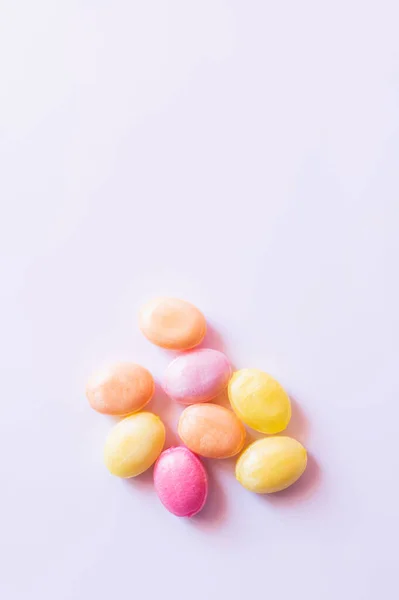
(259, 401)
(134, 444)
(197, 376)
(172, 323)
(181, 481)
(271, 464)
(211, 430)
(120, 389)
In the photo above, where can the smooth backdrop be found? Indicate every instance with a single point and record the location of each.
(243, 156)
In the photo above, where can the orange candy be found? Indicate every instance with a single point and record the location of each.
(172, 323)
(121, 389)
(211, 430)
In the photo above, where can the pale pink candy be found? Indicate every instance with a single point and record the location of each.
(181, 481)
(197, 376)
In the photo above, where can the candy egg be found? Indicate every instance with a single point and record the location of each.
(120, 389)
(211, 430)
(197, 376)
(181, 481)
(259, 401)
(134, 444)
(172, 323)
(271, 464)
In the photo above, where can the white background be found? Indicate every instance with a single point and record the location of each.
(243, 156)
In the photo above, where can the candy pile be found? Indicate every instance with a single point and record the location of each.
(194, 378)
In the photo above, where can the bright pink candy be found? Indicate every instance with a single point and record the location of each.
(197, 376)
(181, 481)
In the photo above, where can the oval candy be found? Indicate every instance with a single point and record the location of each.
(197, 376)
(172, 323)
(259, 401)
(181, 481)
(120, 389)
(211, 431)
(134, 444)
(271, 464)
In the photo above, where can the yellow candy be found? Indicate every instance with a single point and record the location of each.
(134, 444)
(259, 401)
(271, 465)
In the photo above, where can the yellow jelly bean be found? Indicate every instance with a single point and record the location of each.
(134, 444)
(259, 401)
(271, 465)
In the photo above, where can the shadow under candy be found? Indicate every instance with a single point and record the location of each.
(299, 425)
(213, 339)
(301, 490)
(215, 511)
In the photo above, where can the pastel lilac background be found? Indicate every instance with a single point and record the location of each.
(241, 155)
